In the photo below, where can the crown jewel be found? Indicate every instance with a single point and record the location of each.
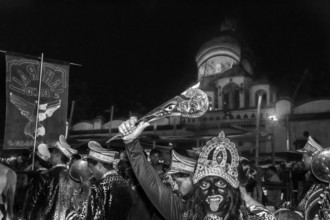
(219, 157)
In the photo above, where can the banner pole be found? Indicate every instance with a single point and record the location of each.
(71, 114)
(37, 116)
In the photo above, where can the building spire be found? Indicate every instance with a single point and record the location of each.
(228, 24)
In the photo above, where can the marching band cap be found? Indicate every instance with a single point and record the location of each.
(311, 146)
(43, 152)
(98, 153)
(181, 164)
(64, 147)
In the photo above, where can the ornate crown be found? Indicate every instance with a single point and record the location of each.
(219, 157)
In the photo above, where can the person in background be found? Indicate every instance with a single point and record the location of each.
(273, 195)
(169, 204)
(310, 149)
(55, 190)
(298, 178)
(109, 197)
(247, 175)
(141, 206)
(154, 159)
(41, 165)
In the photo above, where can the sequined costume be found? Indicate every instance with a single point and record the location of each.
(29, 203)
(169, 205)
(53, 194)
(311, 186)
(109, 199)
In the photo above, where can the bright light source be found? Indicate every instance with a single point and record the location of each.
(273, 118)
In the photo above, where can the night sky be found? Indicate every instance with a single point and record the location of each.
(137, 54)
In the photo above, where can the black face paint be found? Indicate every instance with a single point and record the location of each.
(214, 193)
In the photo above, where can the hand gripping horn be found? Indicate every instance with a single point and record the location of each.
(192, 103)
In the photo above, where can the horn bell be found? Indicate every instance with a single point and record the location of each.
(79, 171)
(320, 165)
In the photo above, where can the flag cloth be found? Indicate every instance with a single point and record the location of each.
(22, 89)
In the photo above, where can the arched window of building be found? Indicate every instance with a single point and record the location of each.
(231, 96)
(264, 97)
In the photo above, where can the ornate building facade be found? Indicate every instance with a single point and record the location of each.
(226, 71)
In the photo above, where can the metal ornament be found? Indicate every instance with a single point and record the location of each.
(192, 103)
(321, 165)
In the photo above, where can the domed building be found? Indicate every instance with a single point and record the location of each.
(241, 105)
(226, 72)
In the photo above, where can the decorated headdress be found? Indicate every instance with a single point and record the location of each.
(98, 153)
(219, 157)
(43, 152)
(64, 147)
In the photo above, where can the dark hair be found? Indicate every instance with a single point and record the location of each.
(154, 151)
(306, 134)
(63, 158)
(42, 162)
(246, 172)
(123, 168)
(272, 168)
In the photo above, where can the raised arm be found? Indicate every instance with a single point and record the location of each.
(169, 205)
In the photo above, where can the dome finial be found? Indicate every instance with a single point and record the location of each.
(228, 24)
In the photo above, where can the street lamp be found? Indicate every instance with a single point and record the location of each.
(258, 129)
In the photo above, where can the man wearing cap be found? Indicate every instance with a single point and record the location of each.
(169, 201)
(109, 196)
(54, 192)
(180, 173)
(41, 165)
(310, 149)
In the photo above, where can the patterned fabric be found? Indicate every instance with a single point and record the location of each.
(245, 213)
(312, 185)
(109, 199)
(312, 189)
(53, 195)
(257, 212)
(30, 201)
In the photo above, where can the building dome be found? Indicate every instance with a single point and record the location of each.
(218, 55)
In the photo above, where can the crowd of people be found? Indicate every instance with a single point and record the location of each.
(219, 185)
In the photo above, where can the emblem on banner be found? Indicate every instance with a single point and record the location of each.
(28, 110)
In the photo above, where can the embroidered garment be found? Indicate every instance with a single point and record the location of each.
(53, 195)
(109, 199)
(312, 185)
(30, 202)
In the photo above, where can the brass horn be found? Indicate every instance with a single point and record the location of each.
(311, 146)
(320, 165)
(312, 206)
(79, 171)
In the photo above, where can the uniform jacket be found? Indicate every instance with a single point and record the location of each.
(53, 195)
(109, 199)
